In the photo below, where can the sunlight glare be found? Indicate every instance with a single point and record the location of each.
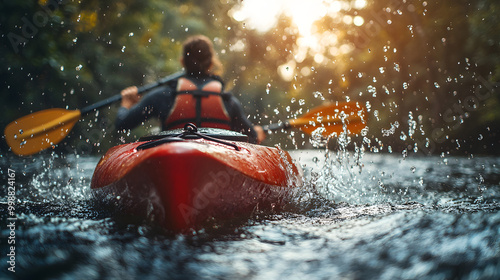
(358, 21)
(262, 15)
(257, 17)
(305, 13)
(312, 40)
(359, 4)
(287, 70)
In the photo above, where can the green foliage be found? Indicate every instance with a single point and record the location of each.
(69, 55)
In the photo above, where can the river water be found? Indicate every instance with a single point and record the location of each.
(379, 217)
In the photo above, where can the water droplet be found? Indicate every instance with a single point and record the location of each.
(403, 136)
(396, 67)
(318, 94)
(405, 85)
(371, 89)
(368, 106)
(21, 131)
(364, 131)
(123, 49)
(436, 85)
(480, 137)
(481, 179)
(386, 90)
(131, 34)
(268, 87)
(404, 153)
(317, 139)
(302, 102)
(412, 169)
(381, 69)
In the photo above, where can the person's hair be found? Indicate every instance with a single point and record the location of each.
(200, 57)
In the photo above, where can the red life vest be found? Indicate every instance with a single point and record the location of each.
(204, 107)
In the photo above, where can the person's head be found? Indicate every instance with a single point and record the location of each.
(199, 57)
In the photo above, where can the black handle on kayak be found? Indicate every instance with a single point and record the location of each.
(118, 97)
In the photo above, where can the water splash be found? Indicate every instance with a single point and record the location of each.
(317, 139)
(57, 178)
(358, 178)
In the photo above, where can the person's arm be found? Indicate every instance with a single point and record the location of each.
(148, 106)
(240, 122)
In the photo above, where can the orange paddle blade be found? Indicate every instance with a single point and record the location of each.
(334, 119)
(41, 130)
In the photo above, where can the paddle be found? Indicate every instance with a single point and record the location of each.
(349, 117)
(44, 129)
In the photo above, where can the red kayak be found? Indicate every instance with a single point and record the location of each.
(185, 178)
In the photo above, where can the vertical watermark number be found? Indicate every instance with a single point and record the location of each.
(11, 219)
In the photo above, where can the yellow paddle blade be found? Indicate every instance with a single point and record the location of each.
(333, 118)
(41, 130)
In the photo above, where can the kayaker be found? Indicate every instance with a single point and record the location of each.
(196, 97)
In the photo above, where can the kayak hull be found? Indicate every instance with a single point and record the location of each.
(184, 185)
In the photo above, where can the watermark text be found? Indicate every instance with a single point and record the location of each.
(11, 219)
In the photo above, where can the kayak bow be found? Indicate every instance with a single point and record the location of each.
(186, 180)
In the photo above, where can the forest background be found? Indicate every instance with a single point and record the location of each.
(427, 71)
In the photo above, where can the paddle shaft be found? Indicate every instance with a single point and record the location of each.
(301, 122)
(118, 97)
(287, 124)
(276, 126)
